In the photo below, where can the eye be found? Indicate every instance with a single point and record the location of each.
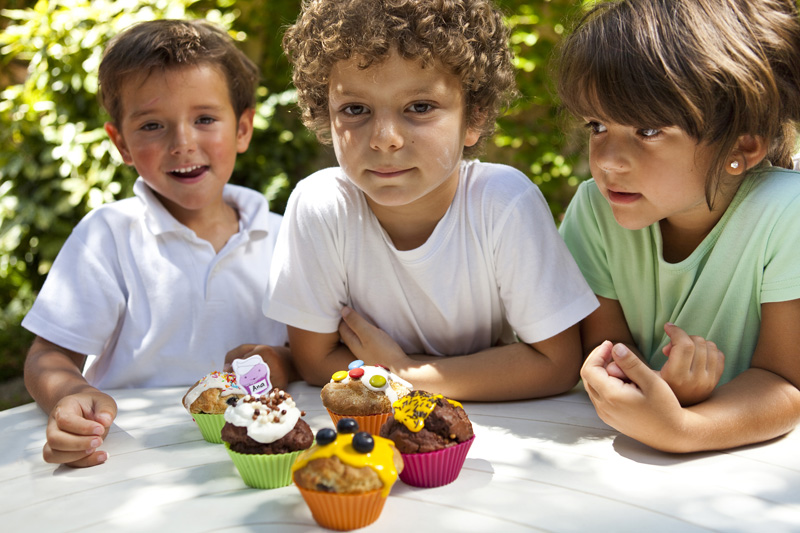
(420, 107)
(355, 110)
(206, 120)
(150, 126)
(649, 132)
(595, 127)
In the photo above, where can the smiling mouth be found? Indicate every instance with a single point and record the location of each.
(189, 172)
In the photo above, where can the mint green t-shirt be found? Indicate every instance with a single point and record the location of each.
(752, 256)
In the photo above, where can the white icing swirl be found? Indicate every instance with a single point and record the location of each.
(266, 421)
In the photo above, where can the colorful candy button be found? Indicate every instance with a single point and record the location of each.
(339, 376)
(356, 373)
(377, 381)
(358, 363)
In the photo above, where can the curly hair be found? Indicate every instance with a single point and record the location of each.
(467, 37)
(717, 69)
(167, 44)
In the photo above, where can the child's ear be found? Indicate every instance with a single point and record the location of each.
(244, 130)
(749, 151)
(119, 142)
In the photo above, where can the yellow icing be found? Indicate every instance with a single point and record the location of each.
(412, 410)
(340, 375)
(380, 459)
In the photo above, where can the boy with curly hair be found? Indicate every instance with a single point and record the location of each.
(407, 254)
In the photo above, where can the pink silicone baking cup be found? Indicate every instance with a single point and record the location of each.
(343, 512)
(370, 423)
(434, 469)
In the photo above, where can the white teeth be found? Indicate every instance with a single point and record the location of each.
(187, 170)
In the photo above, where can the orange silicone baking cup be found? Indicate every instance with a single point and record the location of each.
(343, 512)
(369, 423)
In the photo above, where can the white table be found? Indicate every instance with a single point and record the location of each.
(538, 465)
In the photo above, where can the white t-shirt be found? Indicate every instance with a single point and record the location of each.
(494, 265)
(150, 302)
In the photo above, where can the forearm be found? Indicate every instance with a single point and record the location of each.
(51, 374)
(509, 372)
(756, 406)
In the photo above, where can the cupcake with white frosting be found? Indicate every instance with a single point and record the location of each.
(263, 436)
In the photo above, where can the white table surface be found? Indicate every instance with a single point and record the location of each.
(537, 465)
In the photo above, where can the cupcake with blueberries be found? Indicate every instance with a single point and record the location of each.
(433, 435)
(263, 436)
(364, 393)
(346, 476)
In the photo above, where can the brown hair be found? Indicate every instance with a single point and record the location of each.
(468, 37)
(167, 44)
(717, 69)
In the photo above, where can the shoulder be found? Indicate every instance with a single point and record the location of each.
(253, 208)
(497, 188)
(110, 217)
(325, 192)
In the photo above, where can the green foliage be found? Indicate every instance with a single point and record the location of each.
(56, 162)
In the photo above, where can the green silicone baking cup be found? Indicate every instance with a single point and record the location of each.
(264, 471)
(210, 426)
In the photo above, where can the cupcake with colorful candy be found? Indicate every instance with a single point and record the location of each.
(264, 434)
(364, 393)
(433, 434)
(346, 476)
(207, 400)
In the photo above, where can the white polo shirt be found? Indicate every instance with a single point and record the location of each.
(150, 302)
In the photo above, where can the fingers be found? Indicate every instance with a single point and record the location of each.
(634, 368)
(691, 355)
(76, 427)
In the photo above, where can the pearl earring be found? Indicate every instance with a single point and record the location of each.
(734, 164)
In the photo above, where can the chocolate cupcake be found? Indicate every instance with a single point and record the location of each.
(263, 436)
(433, 434)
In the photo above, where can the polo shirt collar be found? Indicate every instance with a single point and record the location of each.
(253, 213)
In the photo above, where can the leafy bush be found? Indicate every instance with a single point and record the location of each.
(56, 162)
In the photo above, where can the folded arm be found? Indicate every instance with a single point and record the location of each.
(507, 372)
(760, 404)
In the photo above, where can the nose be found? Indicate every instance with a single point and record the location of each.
(608, 155)
(386, 134)
(183, 140)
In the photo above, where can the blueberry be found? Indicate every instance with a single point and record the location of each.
(325, 436)
(231, 400)
(347, 425)
(363, 442)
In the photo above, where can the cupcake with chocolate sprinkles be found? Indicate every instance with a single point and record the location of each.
(263, 436)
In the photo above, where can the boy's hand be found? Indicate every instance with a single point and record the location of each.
(77, 426)
(281, 368)
(369, 343)
(694, 365)
(644, 408)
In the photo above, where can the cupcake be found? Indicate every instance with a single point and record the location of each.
(345, 478)
(364, 393)
(433, 434)
(207, 400)
(263, 436)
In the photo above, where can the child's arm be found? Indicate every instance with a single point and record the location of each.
(509, 372)
(79, 415)
(279, 359)
(760, 404)
(694, 366)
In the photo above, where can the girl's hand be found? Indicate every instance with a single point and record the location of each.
(694, 366)
(642, 407)
(369, 343)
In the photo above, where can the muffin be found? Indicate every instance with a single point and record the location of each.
(263, 436)
(207, 400)
(433, 434)
(364, 393)
(345, 478)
